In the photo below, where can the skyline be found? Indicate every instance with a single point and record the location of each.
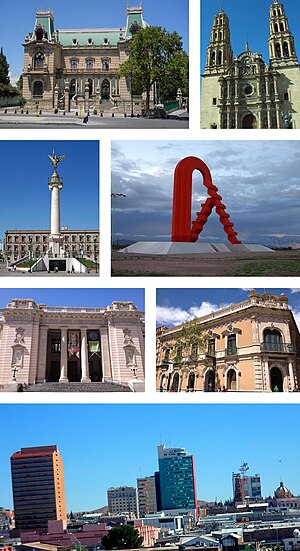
(75, 297)
(175, 306)
(90, 467)
(242, 21)
(248, 173)
(69, 15)
(79, 172)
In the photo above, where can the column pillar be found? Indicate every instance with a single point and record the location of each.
(55, 210)
(85, 376)
(267, 374)
(291, 375)
(64, 356)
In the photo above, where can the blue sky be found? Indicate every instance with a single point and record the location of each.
(112, 445)
(176, 306)
(248, 21)
(74, 297)
(18, 19)
(258, 180)
(25, 197)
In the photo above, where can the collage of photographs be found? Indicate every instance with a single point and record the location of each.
(149, 275)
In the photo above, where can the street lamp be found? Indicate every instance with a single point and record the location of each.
(114, 196)
(76, 539)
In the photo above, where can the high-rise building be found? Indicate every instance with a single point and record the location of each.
(146, 488)
(177, 478)
(38, 487)
(245, 486)
(123, 500)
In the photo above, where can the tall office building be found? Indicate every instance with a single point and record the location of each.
(146, 488)
(38, 487)
(245, 486)
(123, 500)
(177, 478)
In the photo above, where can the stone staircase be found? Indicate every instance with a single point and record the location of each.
(77, 387)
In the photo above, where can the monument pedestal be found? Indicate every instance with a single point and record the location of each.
(166, 248)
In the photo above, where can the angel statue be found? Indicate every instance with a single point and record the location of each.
(55, 160)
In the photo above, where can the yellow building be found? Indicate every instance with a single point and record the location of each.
(251, 346)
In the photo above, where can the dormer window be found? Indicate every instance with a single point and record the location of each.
(90, 42)
(39, 33)
(105, 41)
(74, 42)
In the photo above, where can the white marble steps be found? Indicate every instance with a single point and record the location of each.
(166, 248)
(77, 387)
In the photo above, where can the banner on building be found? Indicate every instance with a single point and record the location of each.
(74, 343)
(94, 342)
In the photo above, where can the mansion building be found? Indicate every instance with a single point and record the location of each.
(251, 346)
(77, 68)
(243, 91)
(42, 344)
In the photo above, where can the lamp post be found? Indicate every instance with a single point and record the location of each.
(76, 539)
(114, 196)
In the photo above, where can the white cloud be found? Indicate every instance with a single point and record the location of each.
(295, 291)
(168, 315)
(296, 313)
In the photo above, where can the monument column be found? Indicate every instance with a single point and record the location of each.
(64, 356)
(85, 376)
(55, 186)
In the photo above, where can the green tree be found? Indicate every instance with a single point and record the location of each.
(191, 336)
(4, 69)
(19, 85)
(124, 536)
(155, 55)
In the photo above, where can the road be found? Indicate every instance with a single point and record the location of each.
(49, 120)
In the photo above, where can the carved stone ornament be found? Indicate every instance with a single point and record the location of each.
(127, 337)
(19, 338)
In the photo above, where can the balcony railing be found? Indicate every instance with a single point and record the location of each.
(278, 347)
(39, 70)
(231, 351)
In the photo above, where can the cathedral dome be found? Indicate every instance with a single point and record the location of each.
(282, 492)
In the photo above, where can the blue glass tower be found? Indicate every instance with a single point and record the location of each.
(177, 478)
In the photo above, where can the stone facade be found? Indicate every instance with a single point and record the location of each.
(251, 346)
(35, 243)
(77, 68)
(41, 344)
(243, 91)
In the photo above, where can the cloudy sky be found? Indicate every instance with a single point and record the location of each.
(175, 306)
(258, 180)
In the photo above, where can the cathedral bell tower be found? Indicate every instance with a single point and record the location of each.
(281, 41)
(219, 51)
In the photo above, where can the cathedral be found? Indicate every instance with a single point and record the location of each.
(243, 91)
(76, 69)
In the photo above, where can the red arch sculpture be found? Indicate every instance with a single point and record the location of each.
(183, 228)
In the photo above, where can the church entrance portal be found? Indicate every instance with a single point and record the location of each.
(105, 90)
(249, 121)
(276, 379)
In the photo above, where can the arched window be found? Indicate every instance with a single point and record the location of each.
(231, 379)
(105, 64)
(39, 33)
(210, 381)
(220, 58)
(39, 60)
(38, 89)
(213, 58)
(72, 90)
(191, 381)
(175, 383)
(281, 27)
(272, 340)
(105, 89)
(163, 383)
(90, 87)
(286, 52)
(277, 50)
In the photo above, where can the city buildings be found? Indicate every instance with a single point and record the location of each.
(146, 488)
(41, 344)
(253, 345)
(38, 487)
(246, 487)
(123, 500)
(177, 479)
(78, 68)
(242, 90)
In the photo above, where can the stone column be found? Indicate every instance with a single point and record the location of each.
(85, 376)
(55, 210)
(267, 374)
(67, 96)
(56, 91)
(86, 96)
(291, 375)
(64, 356)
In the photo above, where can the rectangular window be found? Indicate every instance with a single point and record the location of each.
(286, 96)
(214, 101)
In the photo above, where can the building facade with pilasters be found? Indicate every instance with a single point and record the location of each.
(49, 344)
(243, 91)
(76, 68)
(251, 346)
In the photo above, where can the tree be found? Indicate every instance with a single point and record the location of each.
(124, 536)
(191, 336)
(4, 69)
(155, 55)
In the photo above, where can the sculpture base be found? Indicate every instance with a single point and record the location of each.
(159, 247)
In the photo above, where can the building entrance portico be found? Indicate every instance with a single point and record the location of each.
(249, 121)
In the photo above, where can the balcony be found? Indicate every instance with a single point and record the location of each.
(38, 70)
(277, 348)
(89, 71)
(231, 351)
